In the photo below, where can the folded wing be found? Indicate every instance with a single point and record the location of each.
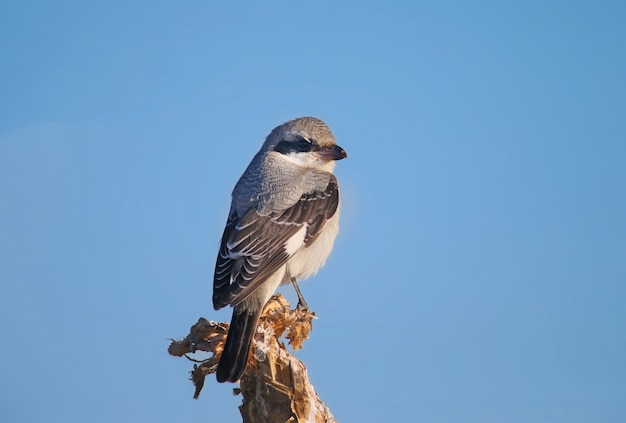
(255, 246)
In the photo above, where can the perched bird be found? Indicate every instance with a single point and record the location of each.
(281, 227)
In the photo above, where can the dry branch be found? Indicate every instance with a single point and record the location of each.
(275, 386)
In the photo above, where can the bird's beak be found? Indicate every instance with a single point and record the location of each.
(332, 153)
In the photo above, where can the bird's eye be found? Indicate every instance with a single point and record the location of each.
(303, 145)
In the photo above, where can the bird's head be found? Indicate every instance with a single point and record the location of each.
(307, 142)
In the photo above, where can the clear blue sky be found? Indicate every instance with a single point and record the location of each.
(480, 272)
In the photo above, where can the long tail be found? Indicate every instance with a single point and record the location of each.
(237, 348)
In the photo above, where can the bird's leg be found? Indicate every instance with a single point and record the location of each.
(302, 305)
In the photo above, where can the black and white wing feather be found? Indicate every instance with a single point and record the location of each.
(255, 246)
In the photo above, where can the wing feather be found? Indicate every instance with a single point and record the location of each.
(255, 246)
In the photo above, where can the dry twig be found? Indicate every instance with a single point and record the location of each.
(275, 386)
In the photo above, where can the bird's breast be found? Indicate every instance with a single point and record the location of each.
(308, 261)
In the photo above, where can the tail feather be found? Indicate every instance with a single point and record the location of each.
(237, 348)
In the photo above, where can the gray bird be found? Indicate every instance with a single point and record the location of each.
(281, 227)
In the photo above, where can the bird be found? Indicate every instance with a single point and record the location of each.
(281, 227)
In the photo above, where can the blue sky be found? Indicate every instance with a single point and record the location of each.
(480, 271)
